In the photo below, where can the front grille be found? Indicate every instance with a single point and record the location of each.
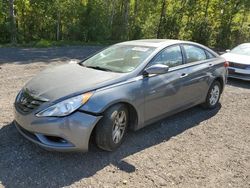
(26, 102)
(238, 66)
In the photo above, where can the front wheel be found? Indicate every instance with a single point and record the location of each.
(111, 130)
(213, 95)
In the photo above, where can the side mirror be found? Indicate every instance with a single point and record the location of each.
(228, 50)
(156, 69)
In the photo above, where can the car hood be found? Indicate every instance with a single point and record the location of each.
(62, 81)
(236, 58)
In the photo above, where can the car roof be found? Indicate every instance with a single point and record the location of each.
(150, 42)
(155, 42)
(162, 43)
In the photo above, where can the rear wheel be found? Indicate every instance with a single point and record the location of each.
(111, 130)
(213, 95)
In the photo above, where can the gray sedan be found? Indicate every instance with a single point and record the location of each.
(126, 86)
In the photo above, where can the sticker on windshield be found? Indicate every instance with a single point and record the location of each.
(141, 49)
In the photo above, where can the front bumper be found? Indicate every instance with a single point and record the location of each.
(239, 73)
(69, 133)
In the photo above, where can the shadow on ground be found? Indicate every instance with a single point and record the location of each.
(46, 55)
(23, 164)
(238, 83)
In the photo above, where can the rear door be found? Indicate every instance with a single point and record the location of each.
(200, 64)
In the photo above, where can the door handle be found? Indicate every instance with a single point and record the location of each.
(183, 75)
(211, 64)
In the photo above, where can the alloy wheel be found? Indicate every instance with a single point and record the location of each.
(214, 95)
(119, 126)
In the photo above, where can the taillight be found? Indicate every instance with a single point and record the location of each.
(226, 64)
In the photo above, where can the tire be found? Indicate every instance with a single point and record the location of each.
(213, 95)
(112, 128)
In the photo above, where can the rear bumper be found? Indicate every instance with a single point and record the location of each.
(70, 133)
(239, 73)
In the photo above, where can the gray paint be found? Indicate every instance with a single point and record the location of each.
(64, 80)
(153, 96)
(75, 128)
(156, 69)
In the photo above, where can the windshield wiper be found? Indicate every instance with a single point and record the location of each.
(99, 68)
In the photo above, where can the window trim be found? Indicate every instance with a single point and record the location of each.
(184, 51)
(173, 45)
(170, 69)
(184, 64)
(207, 53)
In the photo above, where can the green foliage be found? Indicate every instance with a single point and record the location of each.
(216, 23)
(43, 43)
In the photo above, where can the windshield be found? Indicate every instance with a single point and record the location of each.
(119, 58)
(243, 49)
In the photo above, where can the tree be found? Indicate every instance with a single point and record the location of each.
(162, 19)
(126, 18)
(12, 22)
(215, 23)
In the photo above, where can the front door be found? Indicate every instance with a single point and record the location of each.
(164, 93)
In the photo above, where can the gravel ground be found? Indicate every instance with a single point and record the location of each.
(194, 148)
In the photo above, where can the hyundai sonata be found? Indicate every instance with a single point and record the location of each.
(126, 86)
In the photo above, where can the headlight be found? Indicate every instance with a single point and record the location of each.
(65, 107)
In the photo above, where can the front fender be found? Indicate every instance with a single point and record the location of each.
(128, 92)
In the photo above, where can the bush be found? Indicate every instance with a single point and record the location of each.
(43, 44)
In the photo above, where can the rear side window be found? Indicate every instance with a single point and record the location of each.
(171, 56)
(209, 55)
(194, 53)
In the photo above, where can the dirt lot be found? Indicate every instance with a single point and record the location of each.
(195, 148)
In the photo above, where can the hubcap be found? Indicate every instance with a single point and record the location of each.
(214, 95)
(119, 126)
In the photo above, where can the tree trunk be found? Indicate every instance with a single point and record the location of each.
(162, 17)
(206, 10)
(204, 27)
(12, 22)
(58, 28)
(244, 18)
(136, 8)
(233, 13)
(111, 19)
(126, 18)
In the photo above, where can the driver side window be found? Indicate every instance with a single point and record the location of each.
(170, 56)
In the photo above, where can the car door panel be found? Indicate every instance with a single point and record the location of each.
(195, 83)
(199, 72)
(162, 91)
(161, 94)
(183, 86)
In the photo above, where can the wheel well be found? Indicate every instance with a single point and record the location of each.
(220, 80)
(133, 118)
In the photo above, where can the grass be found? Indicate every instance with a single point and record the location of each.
(46, 44)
